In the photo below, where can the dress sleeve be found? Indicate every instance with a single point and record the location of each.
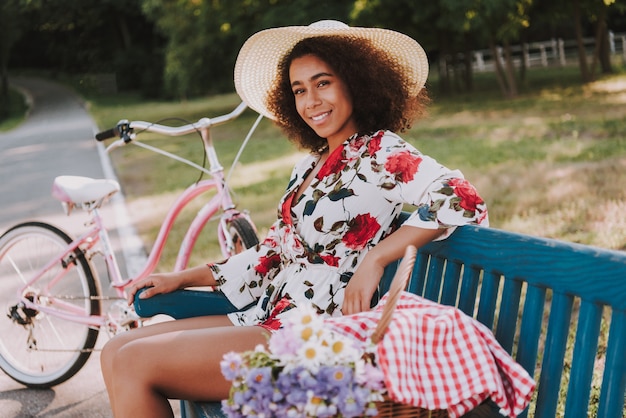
(442, 197)
(240, 277)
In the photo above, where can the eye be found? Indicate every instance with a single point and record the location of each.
(323, 83)
(298, 91)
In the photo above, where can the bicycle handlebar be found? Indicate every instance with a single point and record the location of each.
(123, 129)
(109, 133)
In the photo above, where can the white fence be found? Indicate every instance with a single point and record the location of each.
(547, 53)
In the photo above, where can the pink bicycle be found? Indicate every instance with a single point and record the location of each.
(49, 287)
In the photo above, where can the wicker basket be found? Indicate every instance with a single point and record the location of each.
(390, 408)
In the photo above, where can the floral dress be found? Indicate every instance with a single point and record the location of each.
(318, 242)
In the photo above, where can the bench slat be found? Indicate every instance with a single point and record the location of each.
(432, 290)
(469, 290)
(614, 381)
(587, 334)
(554, 354)
(450, 291)
(488, 298)
(509, 312)
(530, 329)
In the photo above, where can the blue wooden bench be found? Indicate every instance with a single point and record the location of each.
(548, 302)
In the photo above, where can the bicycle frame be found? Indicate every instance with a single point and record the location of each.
(99, 234)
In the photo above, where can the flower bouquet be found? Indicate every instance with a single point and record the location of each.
(309, 371)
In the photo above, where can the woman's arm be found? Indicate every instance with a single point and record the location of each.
(363, 284)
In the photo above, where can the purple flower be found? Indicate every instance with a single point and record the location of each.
(306, 380)
(296, 396)
(337, 376)
(353, 404)
(231, 365)
(285, 381)
(371, 410)
(349, 408)
(326, 411)
(259, 380)
(231, 411)
(239, 397)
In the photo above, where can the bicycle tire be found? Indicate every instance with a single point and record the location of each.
(58, 348)
(243, 234)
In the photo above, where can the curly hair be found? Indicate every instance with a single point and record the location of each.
(377, 85)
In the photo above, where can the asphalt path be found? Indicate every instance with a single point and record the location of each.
(57, 139)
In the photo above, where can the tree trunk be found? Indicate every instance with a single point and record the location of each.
(469, 71)
(524, 64)
(497, 67)
(605, 53)
(510, 71)
(444, 76)
(499, 70)
(5, 49)
(582, 54)
(602, 38)
(122, 25)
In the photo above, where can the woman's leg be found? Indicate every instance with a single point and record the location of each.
(180, 359)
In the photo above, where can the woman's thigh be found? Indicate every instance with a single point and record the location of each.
(165, 327)
(199, 322)
(185, 363)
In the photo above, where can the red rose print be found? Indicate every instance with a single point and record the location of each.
(403, 165)
(267, 263)
(273, 322)
(270, 239)
(361, 230)
(356, 144)
(330, 259)
(334, 164)
(468, 194)
(374, 145)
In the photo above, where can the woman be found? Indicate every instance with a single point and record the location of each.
(341, 93)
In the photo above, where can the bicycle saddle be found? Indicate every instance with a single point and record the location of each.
(79, 190)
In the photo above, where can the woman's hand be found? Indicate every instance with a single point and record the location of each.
(155, 284)
(169, 282)
(360, 290)
(363, 284)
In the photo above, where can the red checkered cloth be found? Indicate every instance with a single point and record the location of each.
(436, 357)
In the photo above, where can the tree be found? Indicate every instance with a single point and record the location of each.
(452, 28)
(500, 22)
(204, 37)
(87, 37)
(11, 21)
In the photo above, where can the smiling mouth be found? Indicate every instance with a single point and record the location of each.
(320, 117)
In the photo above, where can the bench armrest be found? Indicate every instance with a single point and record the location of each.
(184, 303)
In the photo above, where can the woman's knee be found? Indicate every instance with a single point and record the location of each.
(123, 359)
(111, 351)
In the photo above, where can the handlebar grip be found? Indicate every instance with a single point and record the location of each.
(109, 133)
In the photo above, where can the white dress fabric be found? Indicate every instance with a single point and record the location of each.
(317, 243)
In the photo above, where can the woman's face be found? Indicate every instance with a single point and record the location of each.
(322, 99)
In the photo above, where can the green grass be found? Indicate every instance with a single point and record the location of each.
(16, 111)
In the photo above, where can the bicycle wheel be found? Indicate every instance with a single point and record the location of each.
(37, 349)
(243, 234)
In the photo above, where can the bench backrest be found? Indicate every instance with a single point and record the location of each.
(549, 303)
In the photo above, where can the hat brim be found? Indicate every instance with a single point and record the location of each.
(257, 63)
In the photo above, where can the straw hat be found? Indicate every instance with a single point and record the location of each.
(257, 64)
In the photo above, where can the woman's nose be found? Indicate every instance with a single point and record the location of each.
(312, 99)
